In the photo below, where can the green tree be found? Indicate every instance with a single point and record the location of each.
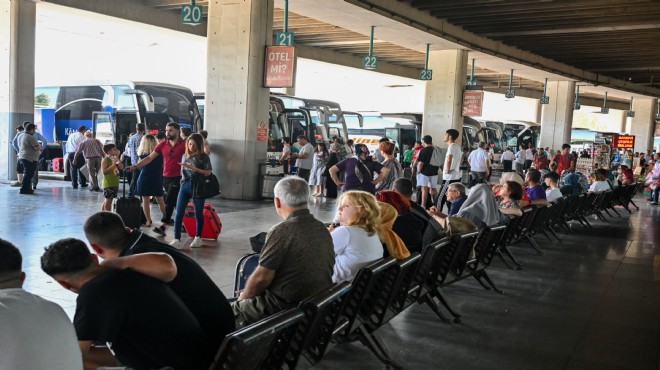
(41, 100)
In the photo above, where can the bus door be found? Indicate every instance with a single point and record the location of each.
(296, 122)
(510, 138)
(354, 116)
(125, 122)
(318, 125)
(102, 127)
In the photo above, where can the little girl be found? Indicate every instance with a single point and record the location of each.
(511, 192)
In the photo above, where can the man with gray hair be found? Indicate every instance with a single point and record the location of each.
(296, 261)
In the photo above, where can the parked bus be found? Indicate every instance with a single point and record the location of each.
(111, 109)
(374, 127)
(517, 133)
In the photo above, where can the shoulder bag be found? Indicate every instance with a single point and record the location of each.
(205, 186)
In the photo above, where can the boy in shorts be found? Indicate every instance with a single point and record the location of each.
(110, 166)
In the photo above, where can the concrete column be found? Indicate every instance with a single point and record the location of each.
(538, 111)
(643, 124)
(557, 117)
(236, 102)
(624, 122)
(444, 94)
(17, 33)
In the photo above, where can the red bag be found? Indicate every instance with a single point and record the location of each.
(212, 224)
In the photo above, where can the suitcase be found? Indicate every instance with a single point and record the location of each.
(244, 268)
(58, 165)
(212, 224)
(129, 209)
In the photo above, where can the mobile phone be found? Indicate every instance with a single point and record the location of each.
(333, 224)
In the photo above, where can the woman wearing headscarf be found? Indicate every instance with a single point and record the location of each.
(359, 171)
(481, 207)
(409, 227)
(571, 185)
(394, 246)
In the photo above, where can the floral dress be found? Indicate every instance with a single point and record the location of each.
(509, 204)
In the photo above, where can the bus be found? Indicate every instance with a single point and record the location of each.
(111, 109)
(517, 133)
(374, 127)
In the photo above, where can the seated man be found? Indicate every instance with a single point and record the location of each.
(455, 195)
(296, 261)
(146, 324)
(34, 333)
(552, 193)
(432, 230)
(535, 192)
(123, 248)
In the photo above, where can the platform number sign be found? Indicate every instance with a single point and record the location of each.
(577, 106)
(630, 114)
(284, 39)
(604, 110)
(370, 62)
(426, 74)
(545, 99)
(191, 14)
(510, 94)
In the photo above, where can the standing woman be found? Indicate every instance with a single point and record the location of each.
(317, 177)
(150, 180)
(396, 170)
(193, 161)
(359, 171)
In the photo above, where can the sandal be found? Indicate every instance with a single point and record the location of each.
(159, 230)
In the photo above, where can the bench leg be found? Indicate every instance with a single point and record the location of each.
(534, 245)
(502, 251)
(441, 298)
(376, 346)
(428, 298)
(484, 274)
(477, 276)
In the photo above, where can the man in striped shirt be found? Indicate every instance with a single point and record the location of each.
(92, 151)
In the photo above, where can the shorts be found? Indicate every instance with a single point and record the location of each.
(428, 181)
(110, 193)
(19, 167)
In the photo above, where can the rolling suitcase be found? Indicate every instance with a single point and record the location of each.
(244, 268)
(58, 165)
(129, 209)
(212, 224)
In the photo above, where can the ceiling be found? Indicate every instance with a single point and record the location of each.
(615, 40)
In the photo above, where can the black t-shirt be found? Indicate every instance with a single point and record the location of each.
(147, 325)
(425, 157)
(410, 229)
(195, 288)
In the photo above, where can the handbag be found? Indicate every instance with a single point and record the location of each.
(205, 186)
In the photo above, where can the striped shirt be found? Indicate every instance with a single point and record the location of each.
(91, 148)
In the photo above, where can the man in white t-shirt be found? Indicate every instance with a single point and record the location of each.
(451, 170)
(507, 160)
(552, 193)
(529, 158)
(34, 333)
(480, 162)
(304, 158)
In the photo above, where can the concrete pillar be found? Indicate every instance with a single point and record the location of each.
(624, 122)
(643, 124)
(538, 111)
(17, 33)
(444, 94)
(236, 102)
(557, 117)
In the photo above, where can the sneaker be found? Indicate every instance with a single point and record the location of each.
(197, 242)
(26, 192)
(159, 230)
(84, 185)
(16, 184)
(176, 243)
(653, 203)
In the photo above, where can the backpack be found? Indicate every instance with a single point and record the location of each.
(437, 158)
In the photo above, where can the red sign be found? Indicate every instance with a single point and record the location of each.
(623, 141)
(262, 131)
(473, 102)
(278, 71)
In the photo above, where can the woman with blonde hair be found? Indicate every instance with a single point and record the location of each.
(150, 180)
(356, 241)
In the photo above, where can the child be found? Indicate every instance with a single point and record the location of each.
(407, 157)
(110, 166)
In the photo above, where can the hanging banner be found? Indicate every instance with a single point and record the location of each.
(473, 102)
(623, 141)
(278, 71)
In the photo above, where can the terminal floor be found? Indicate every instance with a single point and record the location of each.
(591, 302)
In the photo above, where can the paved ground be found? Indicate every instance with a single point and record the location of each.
(591, 302)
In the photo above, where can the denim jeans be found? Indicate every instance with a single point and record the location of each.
(185, 194)
(656, 193)
(29, 168)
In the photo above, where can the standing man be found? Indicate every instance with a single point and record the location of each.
(304, 158)
(480, 162)
(520, 160)
(19, 166)
(507, 160)
(36, 333)
(529, 157)
(428, 165)
(92, 151)
(41, 162)
(564, 161)
(28, 155)
(172, 149)
(132, 147)
(451, 170)
(74, 166)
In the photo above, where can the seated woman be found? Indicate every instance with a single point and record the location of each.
(511, 193)
(392, 243)
(626, 176)
(407, 226)
(481, 207)
(356, 242)
(509, 176)
(598, 183)
(571, 185)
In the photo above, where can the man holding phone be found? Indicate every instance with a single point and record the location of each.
(172, 150)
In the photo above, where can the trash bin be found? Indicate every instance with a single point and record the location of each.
(268, 185)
